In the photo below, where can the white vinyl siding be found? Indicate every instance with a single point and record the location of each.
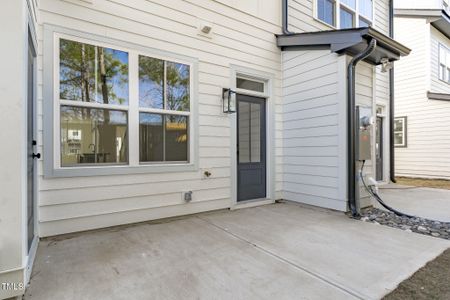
(314, 128)
(427, 153)
(82, 203)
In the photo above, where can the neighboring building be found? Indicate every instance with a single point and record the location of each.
(112, 111)
(422, 93)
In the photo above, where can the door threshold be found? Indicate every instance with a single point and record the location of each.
(252, 203)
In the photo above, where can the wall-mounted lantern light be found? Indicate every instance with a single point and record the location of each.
(229, 101)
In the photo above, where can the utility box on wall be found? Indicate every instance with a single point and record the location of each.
(363, 141)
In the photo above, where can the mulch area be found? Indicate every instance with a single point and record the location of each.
(432, 282)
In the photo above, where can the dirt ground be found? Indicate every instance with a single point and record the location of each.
(432, 183)
(432, 282)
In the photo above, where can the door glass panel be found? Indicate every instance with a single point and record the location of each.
(255, 132)
(249, 132)
(244, 132)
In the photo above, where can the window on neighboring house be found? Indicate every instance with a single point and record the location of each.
(351, 13)
(400, 132)
(97, 113)
(444, 63)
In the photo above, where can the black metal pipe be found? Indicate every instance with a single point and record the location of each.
(352, 129)
(285, 23)
(391, 101)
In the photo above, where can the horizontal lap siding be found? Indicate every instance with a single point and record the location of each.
(364, 98)
(312, 139)
(82, 203)
(428, 151)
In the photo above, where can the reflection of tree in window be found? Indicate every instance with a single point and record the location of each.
(93, 74)
(177, 86)
(151, 82)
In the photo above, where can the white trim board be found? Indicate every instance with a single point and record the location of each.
(268, 80)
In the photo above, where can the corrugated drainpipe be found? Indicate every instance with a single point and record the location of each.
(352, 129)
(391, 101)
(285, 23)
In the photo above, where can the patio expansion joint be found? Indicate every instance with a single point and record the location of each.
(287, 261)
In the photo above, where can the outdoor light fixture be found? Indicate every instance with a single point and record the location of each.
(386, 65)
(229, 101)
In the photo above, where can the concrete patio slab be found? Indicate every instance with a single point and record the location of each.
(430, 203)
(282, 251)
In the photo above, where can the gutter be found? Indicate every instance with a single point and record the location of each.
(391, 101)
(352, 129)
(285, 23)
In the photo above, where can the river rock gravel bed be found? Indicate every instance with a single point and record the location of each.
(419, 225)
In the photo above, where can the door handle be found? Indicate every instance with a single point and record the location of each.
(36, 155)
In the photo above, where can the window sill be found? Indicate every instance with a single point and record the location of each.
(438, 96)
(87, 171)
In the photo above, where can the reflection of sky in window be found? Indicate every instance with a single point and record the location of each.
(365, 8)
(150, 119)
(346, 19)
(350, 3)
(326, 11)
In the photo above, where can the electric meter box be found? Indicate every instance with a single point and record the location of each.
(363, 140)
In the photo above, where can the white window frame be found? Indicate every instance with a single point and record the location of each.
(357, 16)
(442, 62)
(404, 132)
(52, 136)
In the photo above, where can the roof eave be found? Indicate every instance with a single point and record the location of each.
(443, 24)
(346, 41)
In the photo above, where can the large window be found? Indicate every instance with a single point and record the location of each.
(109, 98)
(400, 132)
(350, 13)
(444, 63)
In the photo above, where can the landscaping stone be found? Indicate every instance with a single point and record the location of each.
(416, 224)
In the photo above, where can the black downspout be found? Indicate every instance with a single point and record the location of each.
(391, 101)
(285, 17)
(352, 129)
